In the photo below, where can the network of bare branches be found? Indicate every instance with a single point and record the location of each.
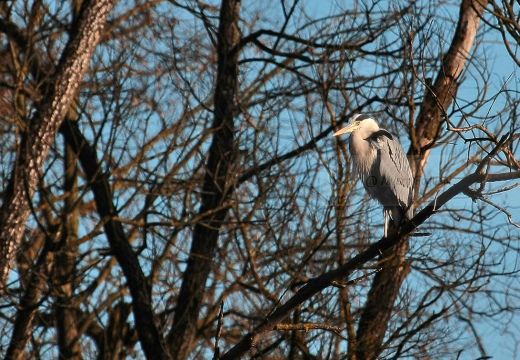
(170, 186)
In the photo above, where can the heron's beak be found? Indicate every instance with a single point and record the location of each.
(345, 130)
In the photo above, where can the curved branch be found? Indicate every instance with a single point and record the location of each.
(150, 336)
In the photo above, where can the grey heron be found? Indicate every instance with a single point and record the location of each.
(382, 166)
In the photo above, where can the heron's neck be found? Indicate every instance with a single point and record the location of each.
(362, 154)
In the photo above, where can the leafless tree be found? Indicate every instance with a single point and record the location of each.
(186, 198)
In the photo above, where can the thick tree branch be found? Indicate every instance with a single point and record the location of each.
(149, 335)
(49, 114)
(439, 97)
(216, 189)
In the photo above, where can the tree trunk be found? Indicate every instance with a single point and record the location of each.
(387, 282)
(380, 302)
(216, 188)
(64, 267)
(50, 112)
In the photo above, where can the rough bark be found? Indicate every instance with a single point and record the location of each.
(44, 125)
(387, 282)
(216, 187)
(150, 337)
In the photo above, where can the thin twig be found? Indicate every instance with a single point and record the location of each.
(354, 281)
(216, 355)
(307, 327)
(498, 207)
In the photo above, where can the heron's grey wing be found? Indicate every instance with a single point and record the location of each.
(395, 171)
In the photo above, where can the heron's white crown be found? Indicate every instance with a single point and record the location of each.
(359, 121)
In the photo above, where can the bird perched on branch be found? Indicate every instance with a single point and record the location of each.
(382, 165)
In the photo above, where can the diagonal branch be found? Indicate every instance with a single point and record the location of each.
(149, 335)
(318, 284)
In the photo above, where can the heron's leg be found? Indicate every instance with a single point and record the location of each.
(386, 222)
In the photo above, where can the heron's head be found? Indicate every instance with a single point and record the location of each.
(359, 122)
